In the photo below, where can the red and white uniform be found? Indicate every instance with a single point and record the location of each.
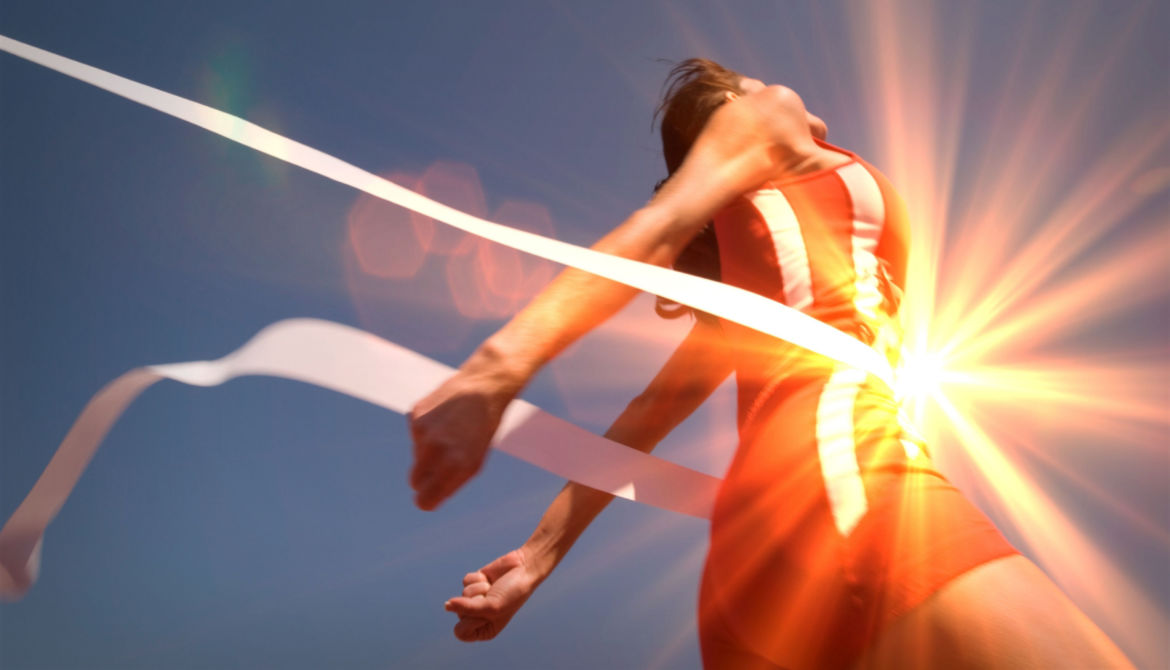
(832, 520)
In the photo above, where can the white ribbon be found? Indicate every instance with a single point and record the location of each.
(728, 302)
(358, 364)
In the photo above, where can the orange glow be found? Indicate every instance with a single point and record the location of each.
(395, 274)
(389, 242)
(516, 275)
(469, 278)
(1049, 246)
(489, 280)
(1029, 250)
(1033, 253)
(465, 282)
(456, 185)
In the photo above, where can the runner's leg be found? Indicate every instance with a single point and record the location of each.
(1003, 614)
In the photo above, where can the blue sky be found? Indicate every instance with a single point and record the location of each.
(268, 524)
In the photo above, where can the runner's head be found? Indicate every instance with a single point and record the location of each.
(694, 89)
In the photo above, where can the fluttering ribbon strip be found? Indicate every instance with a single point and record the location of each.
(728, 302)
(358, 364)
(528, 433)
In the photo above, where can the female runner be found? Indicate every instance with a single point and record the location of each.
(834, 542)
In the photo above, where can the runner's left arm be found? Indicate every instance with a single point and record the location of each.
(745, 143)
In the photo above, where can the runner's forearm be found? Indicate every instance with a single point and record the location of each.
(576, 301)
(710, 177)
(575, 507)
(687, 379)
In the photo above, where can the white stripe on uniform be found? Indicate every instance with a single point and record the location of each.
(835, 446)
(869, 213)
(836, 443)
(791, 254)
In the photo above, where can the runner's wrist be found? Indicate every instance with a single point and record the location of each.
(539, 560)
(501, 370)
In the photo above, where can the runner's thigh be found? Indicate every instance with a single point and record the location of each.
(1002, 614)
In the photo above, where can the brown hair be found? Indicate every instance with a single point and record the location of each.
(694, 89)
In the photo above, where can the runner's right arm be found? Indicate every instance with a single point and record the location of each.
(493, 594)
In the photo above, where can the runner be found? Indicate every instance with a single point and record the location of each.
(834, 541)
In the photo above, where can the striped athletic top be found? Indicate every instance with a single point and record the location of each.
(832, 244)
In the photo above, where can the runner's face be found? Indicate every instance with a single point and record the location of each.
(816, 125)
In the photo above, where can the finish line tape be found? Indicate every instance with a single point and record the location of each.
(345, 359)
(728, 302)
(358, 364)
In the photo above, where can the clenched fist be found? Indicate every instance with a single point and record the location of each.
(452, 429)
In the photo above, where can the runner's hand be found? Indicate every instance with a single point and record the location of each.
(452, 429)
(492, 596)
